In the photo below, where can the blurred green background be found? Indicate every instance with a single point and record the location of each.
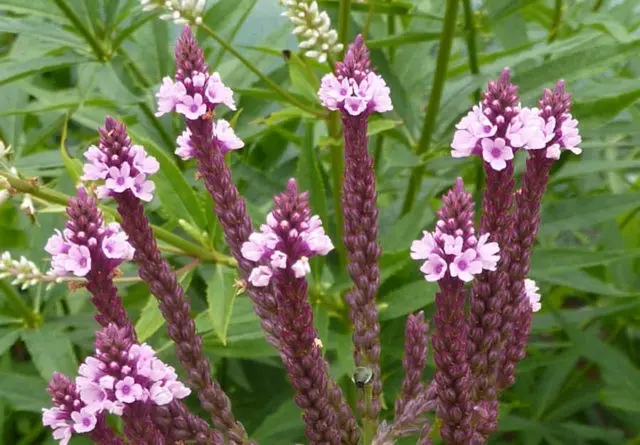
(66, 64)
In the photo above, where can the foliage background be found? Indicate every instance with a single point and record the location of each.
(580, 382)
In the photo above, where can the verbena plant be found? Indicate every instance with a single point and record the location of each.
(483, 309)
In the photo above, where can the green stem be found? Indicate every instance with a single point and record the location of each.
(446, 41)
(369, 427)
(186, 247)
(286, 96)
(343, 22)
(597, 5)
(391, 31)
(337, 172)
(557, 19)
(77, 23)
(17, 304)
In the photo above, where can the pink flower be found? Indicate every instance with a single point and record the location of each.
(527, 129)
(301, 267)
(333, 92)
(226, 137)
(53, 417)
(278, 260)
(95, 169)
(142, 188)
(119, 179)
(378, 93)
(260, 276)
(422, 248)
(128, 391)
(488, 253)
(198, 80)
(258, 244)
(452, 245)
(218, 93)
(169, 96)
(185, 149)
(78, 260)
(63, 434)
(531, 293)
(178, 390)
(192, 107)
(355, 105)
(496, 153)
(160, 395)
(143, 162)
(471, 128)
(465, 266)
(84, 421)
(116, 246)
(434, 268)
(56, 244)
(570, 135)
(92, 394)
(317, 240)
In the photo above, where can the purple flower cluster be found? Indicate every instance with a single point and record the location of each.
(495, 132)
(194, 95)
(71, 250)
(462, 257)
(122, 171)
(120, 374)
(308, 239)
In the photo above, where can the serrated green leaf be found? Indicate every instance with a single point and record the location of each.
(50, 351)
(221, 297)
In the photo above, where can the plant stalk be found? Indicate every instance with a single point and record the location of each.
(77, 23)
(428, 125)
(14, 299)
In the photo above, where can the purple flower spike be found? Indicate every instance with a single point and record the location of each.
(354, 89)
(281, 252)
(453, 256)
(175, 307)
(92, 250)
(208, 142)
(523, 297)
(71, 415)
(415, 357)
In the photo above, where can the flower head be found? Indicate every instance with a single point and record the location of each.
(561, 127)
(86, 243)
(178, 11)
(122, 166)
(354, 89)
(286, 241)
(452, 251)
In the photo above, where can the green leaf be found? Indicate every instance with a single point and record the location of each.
(407, 299)
(585, 211)
(8, 337)
(285, 419)
(24, 393)
(381, 125)
(221, 297)
(12, 70)
(50, 351)
(150, 320)
(552, 260)
(403, 39)
(73, 166)
(579, 280)
(304, 81)
(182, 200)
(583, 167)
(553, 379)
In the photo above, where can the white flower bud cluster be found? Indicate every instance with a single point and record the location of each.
(24, 272)
(313, 29)
(179, 12)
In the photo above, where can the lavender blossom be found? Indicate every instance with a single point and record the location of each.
(209, 142)
(454, 256)
(116, 151)
(562, 135)
(415, 357)
(71, 415)
(89, 249)
(281, 252)
(357, 91)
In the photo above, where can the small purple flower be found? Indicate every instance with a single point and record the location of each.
(226, 137)
(127, 391)
(218, 93)
(83, 421)
(466, 265)
(143, 188)
(569, 138)
(496, 153)
(532, 294)
(371, 94)
(434, 268)
(142, 162)
(78, 260)
(120, 179)
(487, 253)
(116, 246)
(171, 93)
(260, 276)
(185, 149)
(192, 107)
